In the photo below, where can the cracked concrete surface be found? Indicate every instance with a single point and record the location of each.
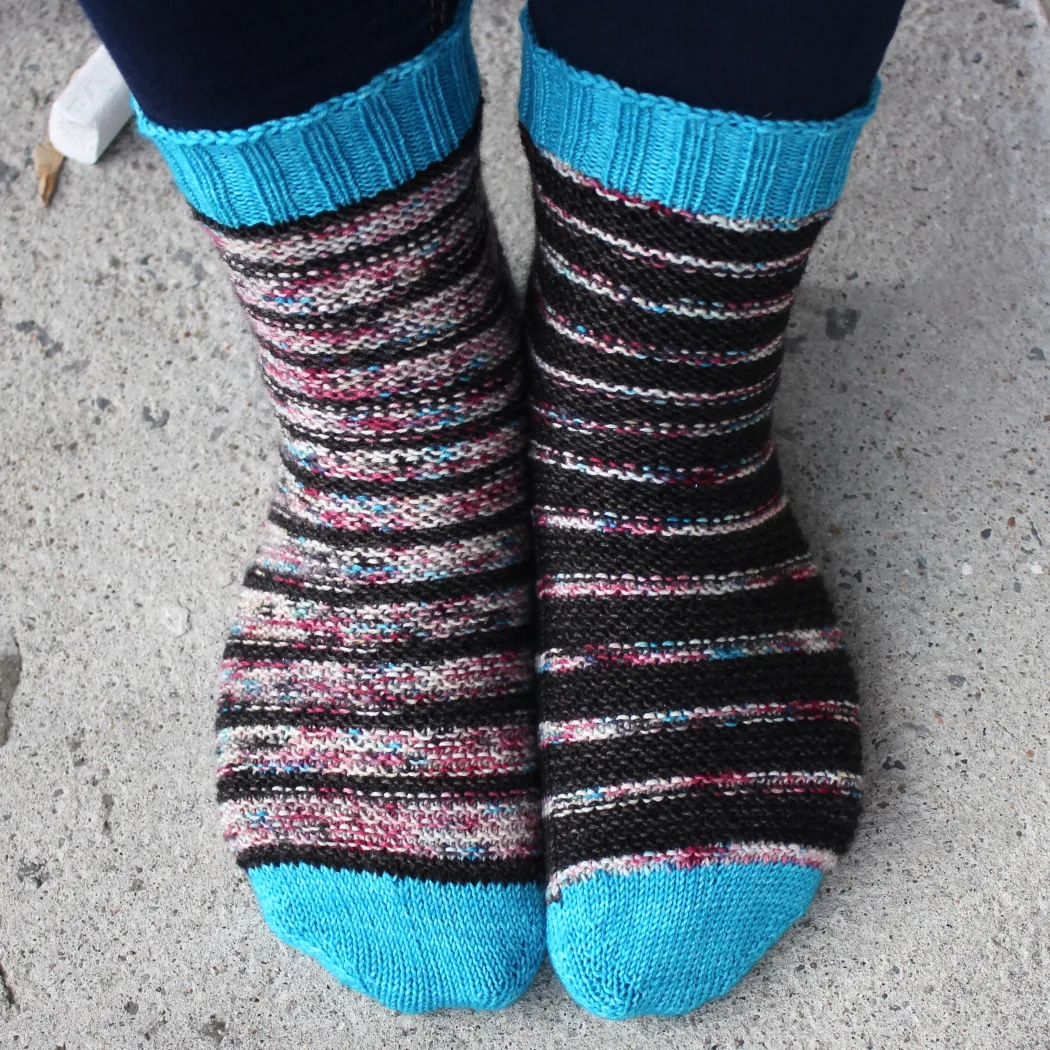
(138, 451)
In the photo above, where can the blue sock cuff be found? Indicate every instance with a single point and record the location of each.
(341, 151)
(699, 160)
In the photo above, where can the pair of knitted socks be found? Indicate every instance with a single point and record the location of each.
(387, 778)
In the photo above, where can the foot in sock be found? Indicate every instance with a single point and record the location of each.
(700, 748)
(377, 755)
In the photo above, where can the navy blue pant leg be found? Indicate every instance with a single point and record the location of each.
(222, 64)
(777, 59)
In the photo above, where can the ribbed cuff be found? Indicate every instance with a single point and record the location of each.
(341, 151)
(699, 160)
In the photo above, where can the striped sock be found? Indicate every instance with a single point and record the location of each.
(377, 755)
(700, 748)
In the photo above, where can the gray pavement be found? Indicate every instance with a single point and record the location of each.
(137, 454)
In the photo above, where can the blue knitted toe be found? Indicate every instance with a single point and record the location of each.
(412, 944)
(665, 940)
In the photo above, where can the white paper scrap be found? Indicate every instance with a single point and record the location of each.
(95, 105)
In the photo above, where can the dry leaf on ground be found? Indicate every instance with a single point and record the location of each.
(47, 162)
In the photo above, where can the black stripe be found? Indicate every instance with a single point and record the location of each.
(685, 451)
(463, 586)
(810, 746)
(570, 623)
(492, 310)
(603, 691)
(410, 650)
(625, 497)
(658, 227)
(658, 279)
(518, 707)
(260, 785)
(617, 407)
(658, 370)
(633, 323)
(816, 821)
(401, 539)
(500, 872)
(773, 541)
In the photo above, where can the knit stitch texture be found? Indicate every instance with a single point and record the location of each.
(377, 741)
(696, 160)
(341, 151)
(700, 747)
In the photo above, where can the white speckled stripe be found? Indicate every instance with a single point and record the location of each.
(615, 727)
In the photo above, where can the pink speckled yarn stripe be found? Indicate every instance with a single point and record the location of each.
(377, 704)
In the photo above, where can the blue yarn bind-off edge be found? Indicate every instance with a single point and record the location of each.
(698, 160)
(341, 151)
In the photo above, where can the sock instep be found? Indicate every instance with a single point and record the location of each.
(377, 751)
(700, 750)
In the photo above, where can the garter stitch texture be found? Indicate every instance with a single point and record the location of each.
(700, 748)
(376, 707)
(382, 639)
(376, 710)
(376, 728)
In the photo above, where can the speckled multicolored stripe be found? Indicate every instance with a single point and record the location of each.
(377, 706)
(697, 705)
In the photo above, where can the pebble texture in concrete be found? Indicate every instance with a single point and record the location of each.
(137, 455)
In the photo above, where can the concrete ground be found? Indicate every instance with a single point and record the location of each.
(137, 454)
